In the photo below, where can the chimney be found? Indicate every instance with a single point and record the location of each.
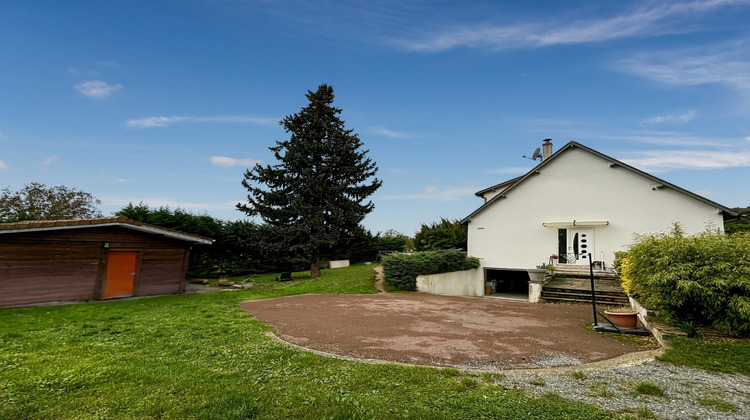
(546, 149)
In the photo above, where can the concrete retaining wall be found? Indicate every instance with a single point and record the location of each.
(456, 283)
(339, 263)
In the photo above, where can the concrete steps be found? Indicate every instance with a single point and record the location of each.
(573, 284)
(554, 294)
(578, 271)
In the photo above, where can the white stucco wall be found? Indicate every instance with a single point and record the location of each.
(577, 185)
(489, 194)
(457, 283)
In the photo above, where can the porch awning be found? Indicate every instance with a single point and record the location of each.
(576, 223)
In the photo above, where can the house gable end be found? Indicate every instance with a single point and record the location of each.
(612, 163)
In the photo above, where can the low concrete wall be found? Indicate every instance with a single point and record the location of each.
(537, 278)
(658, 328)
(339, 263)
(456, 283)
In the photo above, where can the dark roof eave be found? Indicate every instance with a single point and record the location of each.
(498, 186)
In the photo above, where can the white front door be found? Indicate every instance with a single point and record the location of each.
(579, 243)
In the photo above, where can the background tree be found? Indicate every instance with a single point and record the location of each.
(741, 224)
(237, 247)
(393, 240)
(314, 197)
(446, 234)
(37, 201)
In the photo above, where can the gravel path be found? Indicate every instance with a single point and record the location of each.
(615, 390)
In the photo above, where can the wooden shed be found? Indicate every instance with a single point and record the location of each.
(103, 258)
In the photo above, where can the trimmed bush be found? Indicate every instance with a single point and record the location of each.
(446, 234)
(702, 279)
(401, 270)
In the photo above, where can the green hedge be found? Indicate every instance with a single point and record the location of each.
(699, 280)
(401, 270)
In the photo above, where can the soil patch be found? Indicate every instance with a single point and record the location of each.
(432, 330)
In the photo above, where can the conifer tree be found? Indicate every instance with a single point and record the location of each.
(314, 197)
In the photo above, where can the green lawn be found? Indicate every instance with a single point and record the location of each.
(717, 355)
(200, 356)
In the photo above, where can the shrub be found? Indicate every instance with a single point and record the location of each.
(648, 388)
(401, 270)
(446, 234)
(702, 279)
(622, 267)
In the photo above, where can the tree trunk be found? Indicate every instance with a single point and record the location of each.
(314, 270)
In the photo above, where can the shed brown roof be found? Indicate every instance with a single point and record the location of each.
(122, 221)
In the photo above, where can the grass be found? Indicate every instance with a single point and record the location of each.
(200, 356)
(718, 355)
(641, 413)
(649, 388)
(718, 404)
(646, 342)
(600, 389)
(579, 375)
(538, 382)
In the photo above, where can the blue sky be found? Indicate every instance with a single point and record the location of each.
(167, 102)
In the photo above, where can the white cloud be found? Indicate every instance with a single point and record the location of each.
(672, 119)
(166, 202)
(727, 64)
(664, 160)
(396, 171)
(649, 20)
(3, 165)
(96, 88)
(666, 138)
(149, 122)
(3, 137)
(50, 160)
(391, 133)
(432, 193)
(228, 162)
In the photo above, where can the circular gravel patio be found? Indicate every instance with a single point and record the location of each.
(423, 329)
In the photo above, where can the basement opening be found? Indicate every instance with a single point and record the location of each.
(506, 283)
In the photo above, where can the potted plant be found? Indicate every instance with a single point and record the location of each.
(536, 275)
(622, 317)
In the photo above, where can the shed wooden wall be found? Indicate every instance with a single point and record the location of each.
(71, 264)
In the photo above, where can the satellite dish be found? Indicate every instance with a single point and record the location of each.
(536, 155)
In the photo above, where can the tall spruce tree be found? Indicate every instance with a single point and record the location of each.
(314, 197)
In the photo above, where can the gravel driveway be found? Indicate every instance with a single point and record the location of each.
(423, 329)
(688, 393)
(481, 333)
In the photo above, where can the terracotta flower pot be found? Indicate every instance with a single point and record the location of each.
(623, 319)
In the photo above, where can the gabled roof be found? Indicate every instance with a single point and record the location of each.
(516, 182)
(500, 186)
(120, 221)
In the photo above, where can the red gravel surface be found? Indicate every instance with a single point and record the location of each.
(423, 329)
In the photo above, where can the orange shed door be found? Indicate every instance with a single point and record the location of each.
(120, 279)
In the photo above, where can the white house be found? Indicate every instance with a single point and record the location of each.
(575, 202)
